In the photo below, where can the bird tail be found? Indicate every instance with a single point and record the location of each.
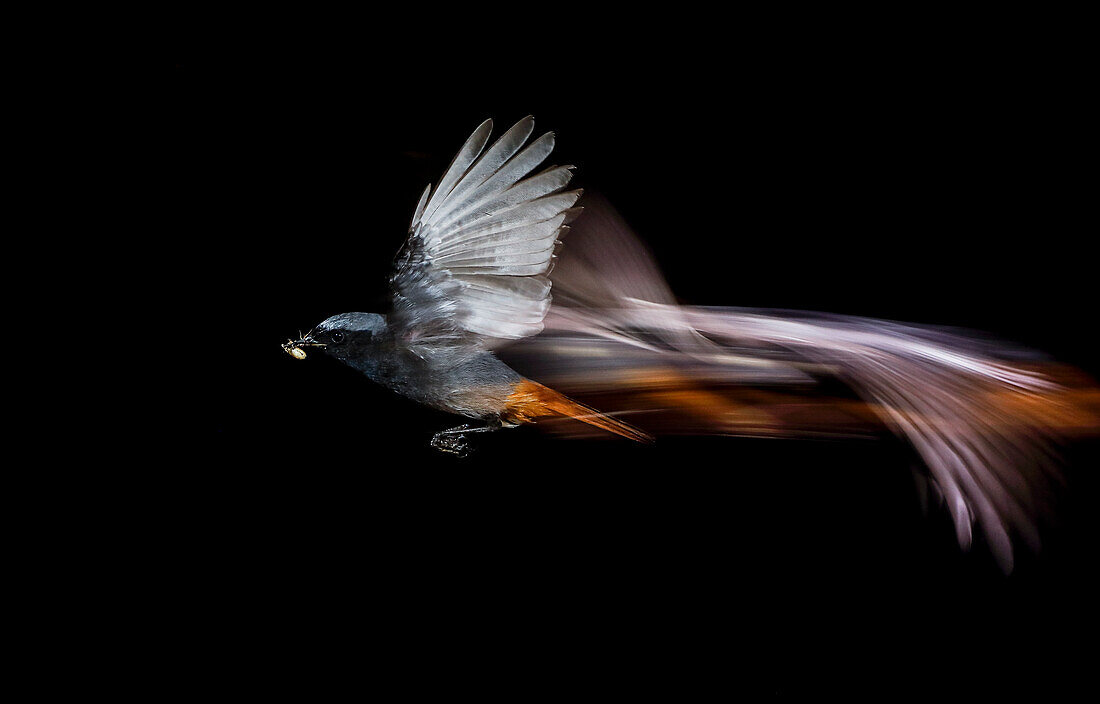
(532, 400)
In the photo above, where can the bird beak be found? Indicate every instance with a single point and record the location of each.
(294, 347)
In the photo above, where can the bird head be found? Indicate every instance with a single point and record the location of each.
(342, 336)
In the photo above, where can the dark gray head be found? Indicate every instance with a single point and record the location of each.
(345, 336)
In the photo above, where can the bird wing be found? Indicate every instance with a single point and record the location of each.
(473, 271)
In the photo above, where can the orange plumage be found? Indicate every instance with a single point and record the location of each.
(531, 400)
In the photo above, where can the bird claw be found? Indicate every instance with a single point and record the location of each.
(451, 444)
(453, 440)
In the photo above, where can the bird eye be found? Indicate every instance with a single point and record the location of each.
(337, 337)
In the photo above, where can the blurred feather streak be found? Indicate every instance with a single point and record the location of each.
(986, 418)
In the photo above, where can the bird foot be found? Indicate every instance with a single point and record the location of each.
(453, 440)
(451, 443)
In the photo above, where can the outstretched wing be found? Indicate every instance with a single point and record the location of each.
(473, 271)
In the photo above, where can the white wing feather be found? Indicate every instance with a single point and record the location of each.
(480, 245)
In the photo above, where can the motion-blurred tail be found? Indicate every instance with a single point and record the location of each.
(986, 417)
(532, 400)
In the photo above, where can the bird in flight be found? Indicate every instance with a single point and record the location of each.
(472, 275)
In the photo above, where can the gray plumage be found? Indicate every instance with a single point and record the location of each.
(471, 274)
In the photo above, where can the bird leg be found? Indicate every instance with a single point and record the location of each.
(453, 440)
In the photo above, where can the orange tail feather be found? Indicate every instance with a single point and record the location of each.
(532, 400)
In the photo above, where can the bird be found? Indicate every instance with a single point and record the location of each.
(471, 276)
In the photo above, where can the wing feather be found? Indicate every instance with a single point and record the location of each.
(527, 213)
(463, 195)
(508, 174)
(419, 212)
(461, 162)
(547, 229)
(529, 189)
(473, 270)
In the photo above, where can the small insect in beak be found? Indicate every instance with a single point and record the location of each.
(294, 347)
(293, 350)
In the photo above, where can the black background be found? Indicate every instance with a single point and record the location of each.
(317, 543)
